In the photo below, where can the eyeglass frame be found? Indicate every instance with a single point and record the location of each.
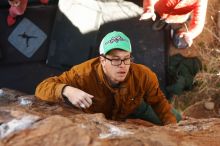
(131, 58)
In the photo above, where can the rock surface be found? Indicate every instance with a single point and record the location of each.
(203, 109)
(28, 121)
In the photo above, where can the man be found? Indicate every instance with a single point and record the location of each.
(110, 84)
(178, 12)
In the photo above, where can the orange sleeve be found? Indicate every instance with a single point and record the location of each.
(158, 101)
(198, 18)
(51, 88)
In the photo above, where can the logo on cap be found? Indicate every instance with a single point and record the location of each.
(115, 39)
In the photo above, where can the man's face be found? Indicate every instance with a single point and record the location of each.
(115, 71)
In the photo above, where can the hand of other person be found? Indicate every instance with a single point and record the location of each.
(14, 3)
(78, 97)
(187, 37)
(148, 14)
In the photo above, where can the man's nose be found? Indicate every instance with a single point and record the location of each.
(122, 64)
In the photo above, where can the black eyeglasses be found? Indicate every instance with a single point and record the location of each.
(117, 62)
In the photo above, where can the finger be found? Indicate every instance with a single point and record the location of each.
(146, 16)
(141, 18)
(89, 95)
(84, 104)
(181, 35)
(88, 100)
(154, 17)
(74, 102)
(78, 105)
(190, 43)
(187, 39)
(81, 105)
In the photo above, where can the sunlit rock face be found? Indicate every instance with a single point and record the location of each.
(27, 121)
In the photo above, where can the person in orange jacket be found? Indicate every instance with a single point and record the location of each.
(18, 7)
(111, 84)
(178, 12)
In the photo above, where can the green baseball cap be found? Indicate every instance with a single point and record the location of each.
(114, 40)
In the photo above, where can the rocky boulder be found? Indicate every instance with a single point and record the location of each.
(28, 121)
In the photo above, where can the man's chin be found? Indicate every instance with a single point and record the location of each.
(121, 79)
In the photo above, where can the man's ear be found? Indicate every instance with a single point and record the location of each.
(102, 59)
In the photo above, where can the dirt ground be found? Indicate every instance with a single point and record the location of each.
(207, 82)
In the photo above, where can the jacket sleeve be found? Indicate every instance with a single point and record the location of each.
(148, 4)
(198, 18)
(155, 97)
(51, 88)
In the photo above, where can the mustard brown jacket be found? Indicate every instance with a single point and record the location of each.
(114, 102)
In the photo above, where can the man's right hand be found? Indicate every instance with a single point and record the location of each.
(78, 97)
(148, 14)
